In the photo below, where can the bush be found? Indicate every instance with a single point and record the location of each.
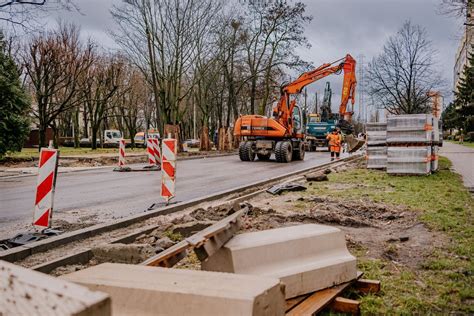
(14, 105)
(469, 137)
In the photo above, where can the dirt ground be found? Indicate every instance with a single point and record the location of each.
(382, 231)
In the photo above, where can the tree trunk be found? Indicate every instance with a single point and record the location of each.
(55, 135)
(76, 128)
(253, 92)
(86, 123)
(205, 144)
(95, 129)
(42, 136)
(132, 132)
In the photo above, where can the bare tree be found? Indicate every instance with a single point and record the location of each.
(98, 86)
(458, 8)
(53, 63)
(160, 37)
(213, 56)
(27, 14)
(272, 34)
(132, 101)
(401, 77)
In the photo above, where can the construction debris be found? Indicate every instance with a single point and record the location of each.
(27, 292)
(204, 243)
(190, 228)
(123, 253)
(140, 290)
(164, 243)
(306, 258)
(290, 186)
(316, 177)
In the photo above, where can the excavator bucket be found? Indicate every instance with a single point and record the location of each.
(353, 143)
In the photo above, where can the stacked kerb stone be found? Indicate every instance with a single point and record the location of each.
(412, 142)
(376, 145)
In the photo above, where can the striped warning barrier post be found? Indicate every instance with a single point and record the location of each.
(168, 168)
(122, 153)
(48, 163)
(156, 147)
(151, 152)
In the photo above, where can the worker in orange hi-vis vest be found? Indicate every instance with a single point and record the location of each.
(335, 141)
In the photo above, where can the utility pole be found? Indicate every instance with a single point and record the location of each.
(361, 87)
(305, 106)
(316, 109)
(194, 120)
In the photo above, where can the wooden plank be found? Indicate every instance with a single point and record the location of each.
(292, 302)
(366, 286)
(345, 305)
(317, 301)
(173, 251)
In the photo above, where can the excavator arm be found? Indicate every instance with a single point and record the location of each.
(348, 87)
(283, 110)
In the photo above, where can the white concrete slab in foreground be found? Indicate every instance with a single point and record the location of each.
(142, 290)
(305, 258)
(27, 292)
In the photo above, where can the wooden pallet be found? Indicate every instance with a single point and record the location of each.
(313, 303)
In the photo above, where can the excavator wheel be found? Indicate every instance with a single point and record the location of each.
(278, 151)
(250, 154)
(242, 152)
(299, 154)
(263, 157)
(283, 151)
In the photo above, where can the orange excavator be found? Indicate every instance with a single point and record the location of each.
(284, 134)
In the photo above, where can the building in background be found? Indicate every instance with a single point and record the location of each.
(465, 46)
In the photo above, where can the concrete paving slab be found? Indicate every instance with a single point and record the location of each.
(305, 258)
(27, 292)
(142, 290)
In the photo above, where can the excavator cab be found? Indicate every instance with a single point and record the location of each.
(297, 118)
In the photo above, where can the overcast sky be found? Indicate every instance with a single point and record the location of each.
(358, 27)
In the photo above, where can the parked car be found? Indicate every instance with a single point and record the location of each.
(140, 139)
(111, 138)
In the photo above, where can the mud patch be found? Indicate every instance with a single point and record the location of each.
(66, 226)
(378, 230)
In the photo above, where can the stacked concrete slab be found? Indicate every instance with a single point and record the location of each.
(143, 290)
(412, 139)
(305, 258)
(376, 145)
(27, 292)
(409, 160)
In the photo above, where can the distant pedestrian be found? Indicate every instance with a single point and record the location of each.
(461, 137)
(335, 141)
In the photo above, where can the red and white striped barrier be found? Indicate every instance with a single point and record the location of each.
(48, 163)
(168, 168)
(150, 148)
(156, 148)
(122, 153)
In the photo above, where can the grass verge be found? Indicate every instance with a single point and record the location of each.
(466, 144)
(29, 153)
(443, 282)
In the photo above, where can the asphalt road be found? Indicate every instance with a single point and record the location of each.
(110, 195)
